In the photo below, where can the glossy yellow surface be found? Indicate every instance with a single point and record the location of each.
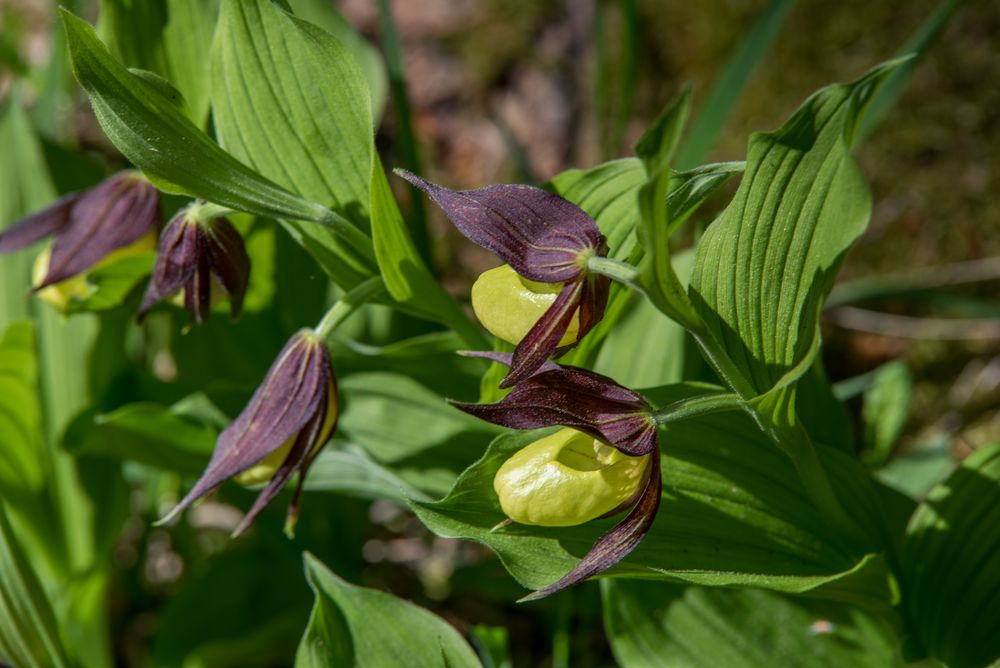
(263, 470)
(566, 479)
(508, 305)
(60, 294)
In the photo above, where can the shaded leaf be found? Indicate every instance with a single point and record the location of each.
(951, 564)
(348, 628)
(350, 470)
(29, 636)
(659, 625)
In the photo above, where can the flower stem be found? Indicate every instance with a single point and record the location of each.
(205, 211)
(684, 409)
(363, 293)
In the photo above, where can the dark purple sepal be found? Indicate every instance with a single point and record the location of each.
(37, 226)
(576, 398)
(541, 235)
(505, 359)
(193, 253)
(114, 214)
(228, 258)
(617, 543)
(542, 339)
(289, 402)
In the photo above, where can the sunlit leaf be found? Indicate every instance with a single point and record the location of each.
(290, 101)
(765, 265)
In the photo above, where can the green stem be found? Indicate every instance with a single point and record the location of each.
(363, 293)
(206, 211)
(697, 406)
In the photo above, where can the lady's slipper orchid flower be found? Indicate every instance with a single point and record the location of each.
(199, 256)
(546, 240)
(600, 408)
(288, 420)
(119, 216)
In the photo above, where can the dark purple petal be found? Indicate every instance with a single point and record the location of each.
(198, 291)
(174, 268)
(575, 398)
(115, 214)
(229, 260)
(544, 336)
(615, 545)
(539, 234)
(297, 457)
(293, 393)
(38, 225)
(593, 301)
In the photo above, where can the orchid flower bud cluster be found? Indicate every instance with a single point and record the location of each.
(544, 300)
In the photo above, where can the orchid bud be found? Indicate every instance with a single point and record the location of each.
(568, 478)
(76, 287)
(508, 305)
(204, 260)
(119, 216)
(288, 420)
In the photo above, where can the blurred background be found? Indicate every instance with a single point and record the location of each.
(514, 91)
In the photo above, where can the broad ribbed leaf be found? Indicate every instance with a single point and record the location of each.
(765, 265)
(21, 458)
(348, 469)
(169, 38)
(608, 194)
(289, 100)
(29, 637)
(733, 513)
(951, 560)
(354, 626)
(26, 188)
(395, 418)
(660, 625)
(369, 59)
(403, 270)
(149, 433)
(159, 139)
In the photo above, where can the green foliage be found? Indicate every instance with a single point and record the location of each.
(653, 625)
(725, 519)
(361, 627)
(951, 563)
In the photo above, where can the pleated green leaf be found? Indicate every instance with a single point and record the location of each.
(658, 625)
(765, 265)
(733, 513)
(21, 455)
(158, 138)
(26, 187)
(29, 637)
(290, 101)
(951, 559)
(354, 626)
(169, 38)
